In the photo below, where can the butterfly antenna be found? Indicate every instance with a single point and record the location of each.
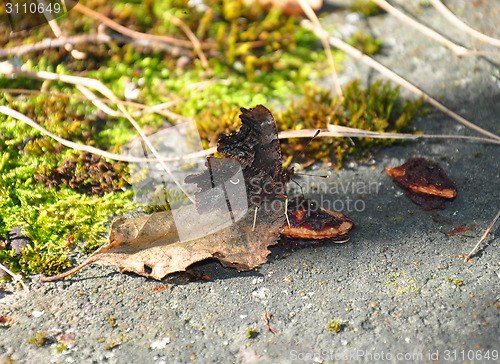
(312, 175)
(307, 145)
(301, 155)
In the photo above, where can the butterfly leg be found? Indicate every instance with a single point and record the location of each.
(286, 211)
(255, 217)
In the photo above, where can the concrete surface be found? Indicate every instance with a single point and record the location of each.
(398, 289)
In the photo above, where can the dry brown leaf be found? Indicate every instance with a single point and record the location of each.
(150, 246)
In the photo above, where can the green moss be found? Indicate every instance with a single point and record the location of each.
(365, 42)
(251, 333)
(84, 172)
(39, 339)
(366, 7)
(378, 108)
(335, 326)
(55, 220)
(401, 283)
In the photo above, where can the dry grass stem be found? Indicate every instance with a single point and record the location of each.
(326, 45)
(15, 277)
(192, 37)
(100, 37)
(455, 48)
(97, 103)
(54, 43)
(58, 33)
(87, 148)
(160, 109)
(355, 53)
(17, 115)
(466, 258)
(138, 35)
(452, 18)
(346, 132)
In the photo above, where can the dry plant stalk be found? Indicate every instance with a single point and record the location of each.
(54, 43)
(15, 277)
(324, 40)
(160, 109)
(87, 148)
(76, 146)
(355, 53)
(445, 12)
(97, 103)
(138, 35)
(488, 230)
(58, 33)
(192, 37)
(455, 48)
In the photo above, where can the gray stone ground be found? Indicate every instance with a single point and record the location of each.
(394, 287)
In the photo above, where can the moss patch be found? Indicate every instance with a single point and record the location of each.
(400, 283)
(335, 326)
(378, 108)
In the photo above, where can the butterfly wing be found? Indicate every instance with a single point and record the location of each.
(221, 185)
(256, 144)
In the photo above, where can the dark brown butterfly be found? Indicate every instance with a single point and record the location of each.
(256, 147)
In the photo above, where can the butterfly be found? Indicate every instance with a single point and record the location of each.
(256, 147)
